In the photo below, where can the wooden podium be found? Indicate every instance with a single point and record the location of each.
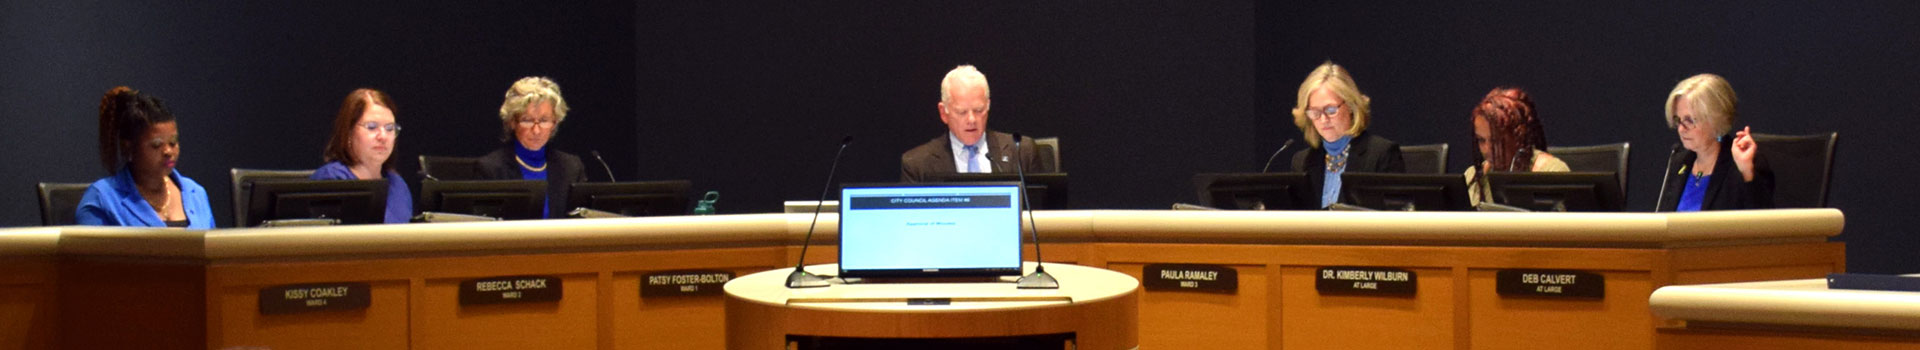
(1099, 308)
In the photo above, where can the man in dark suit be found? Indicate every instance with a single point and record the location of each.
(964, 101)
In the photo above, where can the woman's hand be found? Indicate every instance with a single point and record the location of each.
(1743, 150)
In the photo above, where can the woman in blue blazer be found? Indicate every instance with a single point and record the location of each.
(139, 145)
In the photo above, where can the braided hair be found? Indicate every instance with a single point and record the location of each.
(125, 115)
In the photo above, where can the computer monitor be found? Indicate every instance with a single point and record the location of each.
(929, 230)
(1047, 190)
(1413, 192)
(1574, 191)
(642, 198)
(1256, 191)
(504, 199)
(349, 201)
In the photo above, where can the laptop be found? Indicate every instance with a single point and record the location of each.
(968, 229)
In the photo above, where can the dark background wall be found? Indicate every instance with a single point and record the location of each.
(748, 98)
(256, 85)
(1599, 73)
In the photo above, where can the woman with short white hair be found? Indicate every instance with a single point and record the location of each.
(1719, 169)
(531, 114)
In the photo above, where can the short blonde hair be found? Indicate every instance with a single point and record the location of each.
(963, 76)
(1712, 97)
(1334, 78)
(526, 93)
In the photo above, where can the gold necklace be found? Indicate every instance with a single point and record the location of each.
(1336, 164)
(166, 199)
(523, 164)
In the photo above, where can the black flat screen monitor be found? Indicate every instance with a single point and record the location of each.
(1256, 191)
(1415, 192)
(1048, 191)
(504, 199)
(350, 201)
(643, 198)
(1574, 191)
(930, 230)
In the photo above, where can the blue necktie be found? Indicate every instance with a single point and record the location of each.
(972, 151)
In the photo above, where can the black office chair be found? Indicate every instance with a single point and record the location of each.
(1802, 167)
(1049, 150)
(243, 180)
(1608, 157)
(58, 202)
(450, 168)
(1425, 159)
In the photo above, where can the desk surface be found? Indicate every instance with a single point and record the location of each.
(1078, 284)
(1580, 230)
(1805, 302)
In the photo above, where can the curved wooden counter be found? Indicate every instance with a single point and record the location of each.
(1786, 314)
(1098, 306)
(203, 286)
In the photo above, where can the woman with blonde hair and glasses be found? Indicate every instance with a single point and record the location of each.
(530, 116)
(1719, 169)
(1333, 117)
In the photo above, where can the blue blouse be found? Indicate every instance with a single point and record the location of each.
(114, 201)
(1694, 194)
(537, 159)
(399, 198)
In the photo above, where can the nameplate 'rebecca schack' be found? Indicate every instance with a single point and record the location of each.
(684, 283)
(510, 289)
(1191, 277)
(296, 298)
(1550, 284)
(1366, 280)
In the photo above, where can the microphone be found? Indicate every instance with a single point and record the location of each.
(1516, 159)
(603, 165)
(800, 278)
(1664, 176)
(1276, 153)
(1039, 279)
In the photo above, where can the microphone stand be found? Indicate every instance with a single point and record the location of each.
(800, 278)
(1039, 279)
(1276, 153)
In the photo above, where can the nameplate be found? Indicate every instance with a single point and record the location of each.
(510, 289)
(296, 298)
(683, 283)
(1551, 284)
(1366, 280)
(1191, 277)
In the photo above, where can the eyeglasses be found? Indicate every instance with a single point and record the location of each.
(1323, 112)
(544, 123)
(1686, 122)
(377, 127)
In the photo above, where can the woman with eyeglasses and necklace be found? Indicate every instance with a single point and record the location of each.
(1714, 172)
(140, 145)
(532, 112)
(1332, 116)
(361, 148)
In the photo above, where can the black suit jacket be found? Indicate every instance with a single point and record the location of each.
(563, 169)
(1726, 190)
(1368, 154)
(927, 161)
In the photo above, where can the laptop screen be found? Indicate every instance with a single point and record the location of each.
(948, 229)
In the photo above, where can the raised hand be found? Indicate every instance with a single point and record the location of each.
(1743, 150)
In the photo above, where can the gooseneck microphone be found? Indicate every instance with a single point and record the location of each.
(1516, 159)
(800, 278)
(603, 165)
(1664, 176)
(1276, 153)
(1039, 279)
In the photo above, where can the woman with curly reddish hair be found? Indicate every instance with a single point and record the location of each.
(1507, 136)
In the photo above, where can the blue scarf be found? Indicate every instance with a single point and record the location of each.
(1330, 190)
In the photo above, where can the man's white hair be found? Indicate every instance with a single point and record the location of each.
(963, 76)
